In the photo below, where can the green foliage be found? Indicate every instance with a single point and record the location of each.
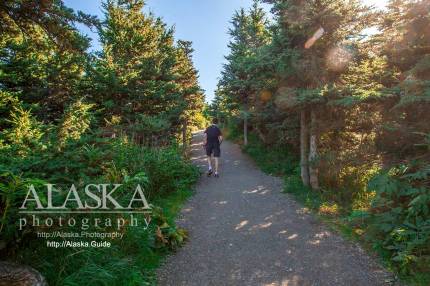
(68, 116)
(167, 235)
(165, 168)
(276, 160)
(142, 77)
(368, 98)
(401, 217)
(75, 122)
(305, 195)
(25, 131)
(131, 260)
(164, 175)
(239, 83)
(13, 189)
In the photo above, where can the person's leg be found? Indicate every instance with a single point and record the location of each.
(217, 153)
(209, 162)
(216, 165)
(208, 156)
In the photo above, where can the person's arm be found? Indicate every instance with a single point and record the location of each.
(205, 140)
(220, 139)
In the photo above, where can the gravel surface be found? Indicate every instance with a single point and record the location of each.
(244, 231)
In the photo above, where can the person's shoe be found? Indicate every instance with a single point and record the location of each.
(216, 175)
(210, 172)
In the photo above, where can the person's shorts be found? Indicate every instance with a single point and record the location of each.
(213, 148)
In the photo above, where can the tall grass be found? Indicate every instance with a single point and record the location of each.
(166, 177)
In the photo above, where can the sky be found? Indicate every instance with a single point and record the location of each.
(204, 22)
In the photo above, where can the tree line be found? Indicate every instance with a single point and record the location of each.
(140, 83)
(69, 115)
(345, 88)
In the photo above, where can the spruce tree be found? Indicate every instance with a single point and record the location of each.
(192, 102)
(135, 75)
(318, 34)
(43, 57)
(249, 33)
(404, 41)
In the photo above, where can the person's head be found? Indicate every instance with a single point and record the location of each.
(214, 120)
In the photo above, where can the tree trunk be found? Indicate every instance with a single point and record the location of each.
(304, 141)
(313, 152)
(260, 134)
(245, 129)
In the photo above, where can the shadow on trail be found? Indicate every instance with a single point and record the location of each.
(243, 231)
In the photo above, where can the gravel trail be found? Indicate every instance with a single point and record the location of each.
(244, 231)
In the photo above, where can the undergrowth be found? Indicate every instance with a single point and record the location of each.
(132, 260)
(165, 176)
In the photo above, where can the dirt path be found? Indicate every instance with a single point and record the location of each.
(244, 231)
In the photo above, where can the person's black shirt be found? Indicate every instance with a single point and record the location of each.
(213, 132)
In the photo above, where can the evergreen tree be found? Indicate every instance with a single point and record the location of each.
(321, 36)
(141, 74)
(249, 33)
(404, 41)
(357, 106)
(191, 93)
(42, 56)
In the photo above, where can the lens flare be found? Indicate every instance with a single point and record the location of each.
(285, 98)
(338, 58)
(265, 95)
(311, 41)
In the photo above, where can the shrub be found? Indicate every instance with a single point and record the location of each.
(401, 216)
(163, 173)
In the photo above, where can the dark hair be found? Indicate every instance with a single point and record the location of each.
(215, 120)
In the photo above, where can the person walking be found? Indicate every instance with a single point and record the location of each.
(212, 143)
